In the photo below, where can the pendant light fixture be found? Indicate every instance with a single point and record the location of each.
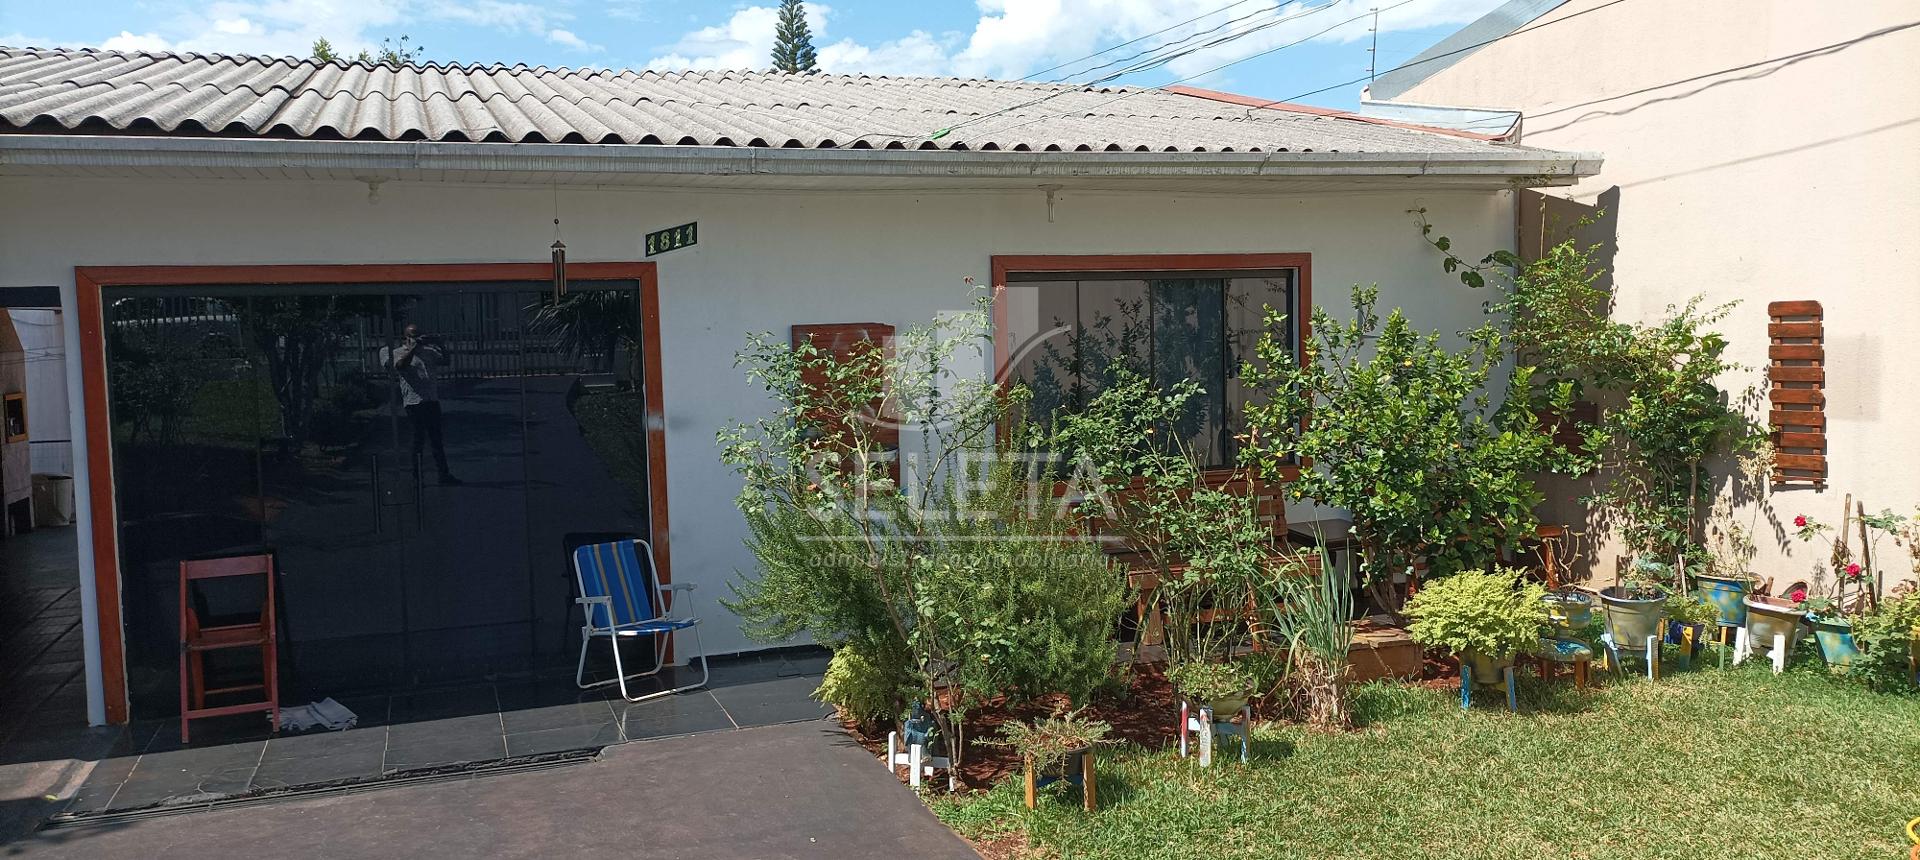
(559, 252)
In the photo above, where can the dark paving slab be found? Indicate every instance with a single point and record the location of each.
(796, 791)
(148, 765)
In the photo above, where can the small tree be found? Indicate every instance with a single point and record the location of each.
(793, 40)
(1401, 432)
(966, 578)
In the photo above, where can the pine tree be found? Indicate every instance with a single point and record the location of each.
(793, 42)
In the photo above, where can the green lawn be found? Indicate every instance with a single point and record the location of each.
(1706, 764)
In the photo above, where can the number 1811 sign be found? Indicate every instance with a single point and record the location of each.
(673, 238)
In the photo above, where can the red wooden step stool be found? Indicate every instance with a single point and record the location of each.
(196, 641)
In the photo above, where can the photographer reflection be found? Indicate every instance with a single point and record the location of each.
(413, 365)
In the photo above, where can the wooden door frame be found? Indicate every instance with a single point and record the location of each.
(91, 281)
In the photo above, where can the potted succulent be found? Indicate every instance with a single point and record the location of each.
(1637, 605)
(1221, 686)
(1483, 617)
(1057, 749)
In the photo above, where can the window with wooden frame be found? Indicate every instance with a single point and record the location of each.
(1066, 324)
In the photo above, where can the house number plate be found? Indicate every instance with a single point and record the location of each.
(673, 238)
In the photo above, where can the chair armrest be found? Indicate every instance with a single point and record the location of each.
(679, 586)
(593, 600)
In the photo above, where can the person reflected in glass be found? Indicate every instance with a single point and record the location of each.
(413, 365)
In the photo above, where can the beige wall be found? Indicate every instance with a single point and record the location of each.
(1795, 177)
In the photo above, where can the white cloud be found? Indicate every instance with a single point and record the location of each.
(567, 38)
(142, 42)
(1014, 38)
(290, 27)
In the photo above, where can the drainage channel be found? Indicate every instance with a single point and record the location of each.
(425, 776)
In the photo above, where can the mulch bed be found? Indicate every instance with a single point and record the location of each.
(1144, 714)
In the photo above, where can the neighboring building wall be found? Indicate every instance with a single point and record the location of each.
(1756, 150)
(43, 339)
(766, 261)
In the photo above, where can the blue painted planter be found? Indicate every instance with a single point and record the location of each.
(1676, 635)
(1727, 594)
(1835, 636)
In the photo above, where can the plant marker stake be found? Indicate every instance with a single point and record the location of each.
(1513, 694)
(1466, 686)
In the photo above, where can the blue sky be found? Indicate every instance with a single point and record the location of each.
(987, 38)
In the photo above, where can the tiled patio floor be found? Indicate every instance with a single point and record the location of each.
(43, 729)
(446, 729)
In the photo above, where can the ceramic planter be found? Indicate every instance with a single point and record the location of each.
(1487, 671)
(1727, 594)
(1630, 620)
(1767, 619)
(1835, 636)
(1569, 613)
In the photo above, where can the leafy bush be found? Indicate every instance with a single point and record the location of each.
(1689, 609)
(1204, 681)
(964, 574)
(1884, 637)
(1403, 435)
(1205, 543)
(1495, 613)
(1671, 415)
(869, 690)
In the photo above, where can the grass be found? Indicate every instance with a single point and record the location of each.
(1704, 764)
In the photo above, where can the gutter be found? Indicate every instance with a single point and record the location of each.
(1528, 166)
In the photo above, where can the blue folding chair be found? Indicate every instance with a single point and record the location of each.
(620, 588)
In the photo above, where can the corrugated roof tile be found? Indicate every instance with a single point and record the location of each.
(86, 90)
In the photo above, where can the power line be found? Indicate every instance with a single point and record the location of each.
(1267, 52)
(1158, 61)
(1135, 40)
(1214, 29)
(1475, 46)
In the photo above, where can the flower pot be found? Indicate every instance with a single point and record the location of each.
(1727, 594)
(1223, 708)
(1487, 671)
(1677, 635)
(1630, 620)
(1569, 613)
(1767, 619)
(1835, 636)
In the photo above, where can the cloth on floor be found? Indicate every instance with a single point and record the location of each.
(324, 714)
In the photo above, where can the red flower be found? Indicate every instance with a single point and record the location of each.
(1799, 595)
(1800, 521)
(1853, 571)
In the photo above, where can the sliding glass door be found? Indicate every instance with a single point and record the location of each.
(417, 456)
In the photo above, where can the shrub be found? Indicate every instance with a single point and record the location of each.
(1884, 637)
(1312, 617)
(1495, 613)
(868, 689)
(1048, 740)
(965, 565)
(1404, 436)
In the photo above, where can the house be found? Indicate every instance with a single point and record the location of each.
(243, 243)
(1758, 151)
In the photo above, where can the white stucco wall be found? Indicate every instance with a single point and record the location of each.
(1757, 150)
(766, 261)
